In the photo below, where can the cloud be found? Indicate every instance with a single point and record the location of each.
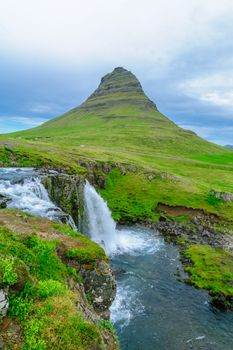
(28, 121)
(40, 108)
(20, 120)
(215, 89)
(219, 99)
(99, 30)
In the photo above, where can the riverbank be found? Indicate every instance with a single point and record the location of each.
(206, 254)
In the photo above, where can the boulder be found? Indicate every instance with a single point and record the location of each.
(224, 196)
(3, 201)
(4, 304)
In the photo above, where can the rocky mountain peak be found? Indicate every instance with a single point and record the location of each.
(119, 86)
(120, 80)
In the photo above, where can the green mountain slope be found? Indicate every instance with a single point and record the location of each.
(118, 115)
(118, 124)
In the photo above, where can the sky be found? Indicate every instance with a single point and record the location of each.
(53, 54)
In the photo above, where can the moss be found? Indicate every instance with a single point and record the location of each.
(86, 254)
(212, 269)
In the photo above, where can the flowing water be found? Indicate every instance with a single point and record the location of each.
(26, 192)
(152, 310)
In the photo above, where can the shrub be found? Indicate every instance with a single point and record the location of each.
(49, 288)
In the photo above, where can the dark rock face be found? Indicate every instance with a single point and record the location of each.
(66, 191)
(119, 87)
(100, 284)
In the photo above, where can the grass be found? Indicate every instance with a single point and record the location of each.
(43, 300)
(211, 269)
(86, 256)
(134, 197)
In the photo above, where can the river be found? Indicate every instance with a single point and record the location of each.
(152, 309)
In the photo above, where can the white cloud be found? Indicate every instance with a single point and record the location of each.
(22, 120)
(215, 89)
(219, 99)
(40, 108)
(108, 30)
(28, 121)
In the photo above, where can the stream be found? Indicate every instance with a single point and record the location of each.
(152, 309)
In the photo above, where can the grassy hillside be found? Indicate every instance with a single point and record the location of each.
(119, 124)
(118, 116)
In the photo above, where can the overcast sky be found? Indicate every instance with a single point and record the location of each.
(54, 52)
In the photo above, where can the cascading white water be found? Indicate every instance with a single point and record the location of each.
(27, 193)
(101, 226)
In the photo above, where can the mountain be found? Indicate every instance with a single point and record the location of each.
(229, 146)
(119, 127)
(119, 116)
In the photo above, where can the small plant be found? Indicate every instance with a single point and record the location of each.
(89, 298)
(8, 274)
(33, 338)
(49, 288)
(108, 325)
(73, 272)
(20, 307)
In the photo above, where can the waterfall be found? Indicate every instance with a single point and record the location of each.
(100, 225)
(101, 228)
(26, 192)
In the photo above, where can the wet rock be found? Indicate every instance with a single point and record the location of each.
(3, 201)
(223, 302)
(4, 304)
(66, 191)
